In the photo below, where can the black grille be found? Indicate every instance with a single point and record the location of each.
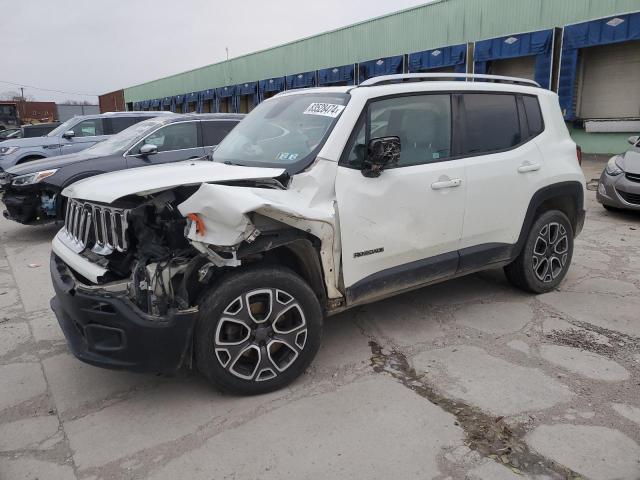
(634, 177)
(101, 228)
(633, 198)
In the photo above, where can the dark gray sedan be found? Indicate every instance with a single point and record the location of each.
(32, 190)
(619, 185)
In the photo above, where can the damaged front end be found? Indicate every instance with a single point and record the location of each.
(138, 266)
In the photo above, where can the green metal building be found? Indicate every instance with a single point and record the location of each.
(586, 50)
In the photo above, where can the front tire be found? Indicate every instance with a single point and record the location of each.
(546, 255)
(258, 330)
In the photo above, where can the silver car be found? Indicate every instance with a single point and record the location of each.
(619, 185)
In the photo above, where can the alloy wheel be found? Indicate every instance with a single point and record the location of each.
(550, 252)
(261, 334)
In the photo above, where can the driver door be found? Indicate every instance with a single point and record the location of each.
(175, 142)
(403, 228)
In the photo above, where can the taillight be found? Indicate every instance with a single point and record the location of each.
(579, 154)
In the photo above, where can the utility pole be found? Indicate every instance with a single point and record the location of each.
(227, 49)
(22, 93)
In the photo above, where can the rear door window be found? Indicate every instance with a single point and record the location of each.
(491, 123)
(214, 131)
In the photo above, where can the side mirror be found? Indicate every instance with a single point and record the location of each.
(634, 140)
(148, 149)
(382, 152)
(69, 134)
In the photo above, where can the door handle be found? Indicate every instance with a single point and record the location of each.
(528, 167)
(454, 182)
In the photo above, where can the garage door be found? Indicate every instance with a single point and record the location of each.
(521, 67)
(608, 82)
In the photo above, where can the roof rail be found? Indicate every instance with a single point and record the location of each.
(439, 76)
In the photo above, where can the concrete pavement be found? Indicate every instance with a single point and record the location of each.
(470, 379)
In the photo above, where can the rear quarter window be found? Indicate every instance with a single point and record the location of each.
(533, 114)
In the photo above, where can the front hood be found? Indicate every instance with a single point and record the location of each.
(50, 163)
(109, 187)
(630, 161)
(31, 142)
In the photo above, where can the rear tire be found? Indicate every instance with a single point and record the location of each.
(546, 255)
(258, 329)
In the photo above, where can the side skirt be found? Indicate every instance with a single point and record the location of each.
(429, 271)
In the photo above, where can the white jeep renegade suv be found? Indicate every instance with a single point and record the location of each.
(320, 200)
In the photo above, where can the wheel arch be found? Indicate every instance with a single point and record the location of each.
(28, 157)
(294, 249)
(567, 197)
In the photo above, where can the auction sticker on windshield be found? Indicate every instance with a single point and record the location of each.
(325, 109)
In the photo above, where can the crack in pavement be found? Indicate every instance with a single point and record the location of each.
(488, 435)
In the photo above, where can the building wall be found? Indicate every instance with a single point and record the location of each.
(36, 112)
(605, 143)
(112, 102)
(441, 23)
(65, 112)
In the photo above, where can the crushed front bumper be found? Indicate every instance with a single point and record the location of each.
(21, 208)
(107, 330)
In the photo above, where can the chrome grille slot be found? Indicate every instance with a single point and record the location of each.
(101, 228)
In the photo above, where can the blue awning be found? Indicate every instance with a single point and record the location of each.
(155, 103)
(226, 92)
(136, 106)
(167, 101)
(208, 94)
(330, 76)
(452, 56)
(382, 66)
(144, 104)
(192, 97)
(250, 88)
(621, 28)
(301, 80)
(538, 44)
(271, 85)
(178, 99)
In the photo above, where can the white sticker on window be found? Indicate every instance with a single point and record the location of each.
(286, 157)
(325, 109)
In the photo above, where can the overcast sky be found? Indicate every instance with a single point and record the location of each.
(98, 46)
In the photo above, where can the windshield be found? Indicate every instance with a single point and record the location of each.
(63, 127)
(283, 132)
(123, 140)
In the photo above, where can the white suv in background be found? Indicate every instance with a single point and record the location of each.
(320, 200)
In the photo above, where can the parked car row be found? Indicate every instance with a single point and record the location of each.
(28, 131)
(318, 201)
(32, 187)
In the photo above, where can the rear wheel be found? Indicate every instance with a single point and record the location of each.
(258, 330)
(546, 255)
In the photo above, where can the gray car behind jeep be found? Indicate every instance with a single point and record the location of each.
(619, 186)
(72, 136)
